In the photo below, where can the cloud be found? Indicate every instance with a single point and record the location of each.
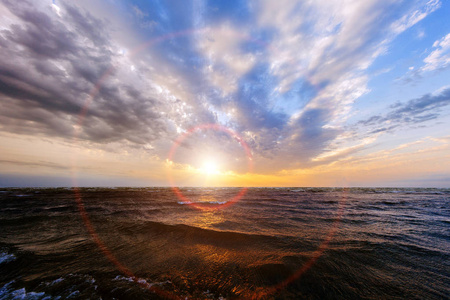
(440, 57)
(414, 111)
(437, 60)
(329, 46)
(415, 16)
(339, 153)
(284, 75)
(226, 61)
(34, 164)
(331, 39)
(48, 72)
(358, 137)
(138, 12)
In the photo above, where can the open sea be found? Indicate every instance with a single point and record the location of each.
(275, 243)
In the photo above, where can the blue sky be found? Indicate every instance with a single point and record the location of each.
(324, 93)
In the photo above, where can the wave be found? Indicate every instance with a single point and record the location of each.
(141, 281)
(9, 292)
(46, 251)
(187, 234)
(6, 257)
(70, 286)
(201, 202)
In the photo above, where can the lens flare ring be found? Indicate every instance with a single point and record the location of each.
(271, 290)
(183, 137)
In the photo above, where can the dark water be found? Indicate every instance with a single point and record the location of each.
(288, 243)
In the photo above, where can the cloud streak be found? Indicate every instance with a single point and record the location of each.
(437, 60)
(415, 111)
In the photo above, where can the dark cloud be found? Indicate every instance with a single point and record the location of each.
(311, 123)
(311, 134)
(421, 105)
(48, 69)
(252, 102)
(41, 35)
(415, 111)
(92, 28)
(34, 164)
(371, 121)
(383, 129)
(297, 143)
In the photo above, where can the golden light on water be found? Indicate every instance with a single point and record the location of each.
(207, 219)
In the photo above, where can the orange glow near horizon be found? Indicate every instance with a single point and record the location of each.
(382, 168)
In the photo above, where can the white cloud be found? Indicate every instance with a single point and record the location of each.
(227, 63)
(330, 45)
(440, 57)
(333, 155)
(316, 39)
(138, 12)
(415, 16)
(56, 9)
(437, 59)
(420, 34)
(322, 40)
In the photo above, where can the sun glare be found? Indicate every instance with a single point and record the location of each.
(210, 167)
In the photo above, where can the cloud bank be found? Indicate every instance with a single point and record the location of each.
(283, 75)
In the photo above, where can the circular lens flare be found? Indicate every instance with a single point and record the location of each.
(103, 247)
(210, 167)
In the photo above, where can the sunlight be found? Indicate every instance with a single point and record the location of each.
(210, 167)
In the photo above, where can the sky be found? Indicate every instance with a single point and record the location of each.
(225, 93)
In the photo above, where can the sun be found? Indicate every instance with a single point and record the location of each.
(210, 167)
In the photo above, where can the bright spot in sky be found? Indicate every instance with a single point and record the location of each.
(56, 9)
(209, 167)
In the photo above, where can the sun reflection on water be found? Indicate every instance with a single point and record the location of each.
(207, 219)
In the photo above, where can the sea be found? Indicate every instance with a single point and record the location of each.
(207, 243)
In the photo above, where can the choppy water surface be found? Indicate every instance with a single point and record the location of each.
(350, 243)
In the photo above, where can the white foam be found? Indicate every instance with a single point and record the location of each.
(55, 281)
(119, 277)
(7, 292)
(139, 280)
(6, 257)
(216, 202)
(203, 202)
(73, 294)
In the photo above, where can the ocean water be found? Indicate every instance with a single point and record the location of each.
(275, 243)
